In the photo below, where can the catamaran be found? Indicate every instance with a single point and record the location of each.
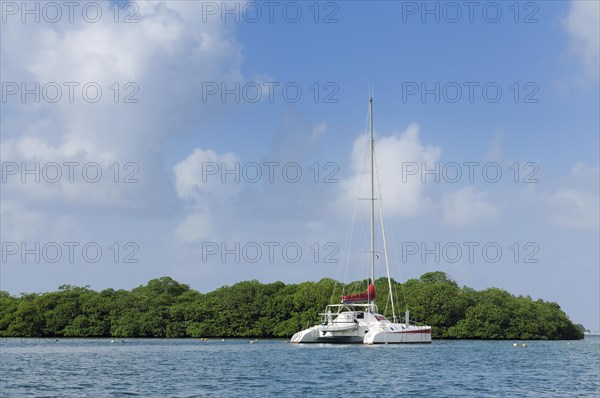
(356, 319)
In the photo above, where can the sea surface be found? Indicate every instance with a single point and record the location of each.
(268, 368)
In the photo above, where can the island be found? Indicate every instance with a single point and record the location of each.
(166, 308)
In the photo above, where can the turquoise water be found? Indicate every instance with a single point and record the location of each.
(235, 368)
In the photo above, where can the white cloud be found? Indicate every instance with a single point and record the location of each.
(166, 55)
(204, 173)
(297, 137)
(495, 154)
(468, 207)
(209, 183)
(573, 204)
(586, 177)
(318, 131)
(583, 26)
(34, 171)
(577, 203)
(196, 227)
(19, 223)
(578, 209)
(405, 198)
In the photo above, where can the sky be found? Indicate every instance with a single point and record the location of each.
(219, 142)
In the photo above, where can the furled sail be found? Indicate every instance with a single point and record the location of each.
(353, 298)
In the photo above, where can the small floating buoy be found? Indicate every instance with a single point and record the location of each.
(524, 345)
(55, 340)
(515, 345)
(222, 339)
(568, 343)
(112, 342)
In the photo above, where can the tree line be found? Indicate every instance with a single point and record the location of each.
(167, 308)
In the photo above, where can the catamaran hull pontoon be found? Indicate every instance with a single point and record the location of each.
(360, 323)
(416, 334)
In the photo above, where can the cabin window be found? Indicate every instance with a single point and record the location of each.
(380, 318)
(360, 315)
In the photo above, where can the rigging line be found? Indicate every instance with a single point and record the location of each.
(400, 277)
(393, 247)
(387, 264)
(395, 255)
(360, 175)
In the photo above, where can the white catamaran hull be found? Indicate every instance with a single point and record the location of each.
(314, 335)
(344, 333)
(376, 330)
(414, 334)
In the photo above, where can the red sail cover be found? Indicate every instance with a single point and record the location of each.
(368, 296)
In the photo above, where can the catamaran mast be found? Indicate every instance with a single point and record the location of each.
(372, 196)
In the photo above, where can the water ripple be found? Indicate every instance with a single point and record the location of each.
(234, 368)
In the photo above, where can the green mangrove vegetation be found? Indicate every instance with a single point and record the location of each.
(167, 308)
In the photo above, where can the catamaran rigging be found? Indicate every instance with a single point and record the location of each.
(356, 319)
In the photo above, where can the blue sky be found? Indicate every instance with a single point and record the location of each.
(173, 210)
